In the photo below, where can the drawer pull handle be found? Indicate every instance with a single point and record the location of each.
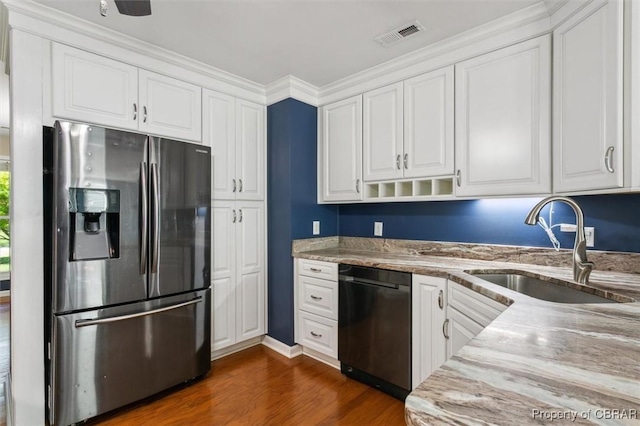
(315, 334)
(444, 328)
(315, 270)
(316, 297)
(441, 299)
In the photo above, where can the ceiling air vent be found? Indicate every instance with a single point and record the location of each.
(399, 34)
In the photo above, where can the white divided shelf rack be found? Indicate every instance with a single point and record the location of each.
(411, 189)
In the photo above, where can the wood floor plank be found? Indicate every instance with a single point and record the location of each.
(260, 387)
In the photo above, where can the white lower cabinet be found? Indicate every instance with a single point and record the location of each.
(238, 272)
(428, 346)
(316, 300)
(468, 314)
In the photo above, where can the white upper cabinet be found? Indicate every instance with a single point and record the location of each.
(340, 150)
(588, 100)
(408, 128)
(93, 89)
(428, 124)
(235, 131)
(382, 141)
(502, 118)
(170, 107)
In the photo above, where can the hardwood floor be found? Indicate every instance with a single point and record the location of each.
(261, 387)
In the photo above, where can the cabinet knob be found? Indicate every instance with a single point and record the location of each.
(406, 161)
(441, 299)
(458, 177)
(445, 327)
(316, 335)
(358, 186)
(234, 185)
(608, 159)
(240, 185)
(240, 216)
(315, 297)
(315, 269)
(234, 216)
(144, 114)
(398, 161)
(135, 111)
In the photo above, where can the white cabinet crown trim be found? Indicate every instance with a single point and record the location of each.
(52, 24)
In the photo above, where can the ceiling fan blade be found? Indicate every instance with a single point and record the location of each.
(134, 7)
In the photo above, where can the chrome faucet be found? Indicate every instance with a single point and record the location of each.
(581, 266)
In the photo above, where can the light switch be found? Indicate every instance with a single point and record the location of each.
(316, 227)
(377, 229)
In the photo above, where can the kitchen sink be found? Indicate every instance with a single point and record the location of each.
(541, 289)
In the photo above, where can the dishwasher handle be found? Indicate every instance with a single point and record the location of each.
(373, 283)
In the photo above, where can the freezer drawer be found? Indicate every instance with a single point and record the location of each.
(104, 359)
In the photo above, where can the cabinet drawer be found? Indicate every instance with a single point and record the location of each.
(318, 296)
(318, 269)
(476, 306)
(318, 333)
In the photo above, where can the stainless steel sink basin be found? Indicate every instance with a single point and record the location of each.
(540, 289)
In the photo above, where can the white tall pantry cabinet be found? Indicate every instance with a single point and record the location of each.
(235, 130)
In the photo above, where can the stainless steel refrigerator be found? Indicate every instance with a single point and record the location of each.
(127, 262)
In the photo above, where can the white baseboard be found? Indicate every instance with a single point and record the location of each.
(235, 348)
(282, 348)
(331, 362)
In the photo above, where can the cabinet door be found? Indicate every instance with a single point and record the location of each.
(428, 340)
(219, 132)
(170, 107)
(382, 153)
(461, 330)
(503, 121)
(224, 226)
(587, 122)
(340, 152)
(93, 89)
(428, 124)
(250, 150)
(251, 282)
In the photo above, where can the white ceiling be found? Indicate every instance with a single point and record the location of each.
(318, 41)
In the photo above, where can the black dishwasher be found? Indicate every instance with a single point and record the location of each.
(374, 328)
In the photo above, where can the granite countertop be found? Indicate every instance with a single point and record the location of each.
(538, 362)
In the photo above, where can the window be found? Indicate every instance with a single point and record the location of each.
(5, 229)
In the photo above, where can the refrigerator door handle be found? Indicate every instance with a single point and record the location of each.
(155, 240)
(97, 321)
(144, 209)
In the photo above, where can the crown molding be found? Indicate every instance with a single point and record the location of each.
(291, 87)
(518, 26)
(55, 25)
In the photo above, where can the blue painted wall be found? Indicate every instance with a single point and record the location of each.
(292, 204)
(498, 221)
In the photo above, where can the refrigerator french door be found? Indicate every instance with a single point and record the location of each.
(127, 262)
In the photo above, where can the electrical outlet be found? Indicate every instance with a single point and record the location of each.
(377, 229)
(590, 235)
(589, 232)
(316, 227)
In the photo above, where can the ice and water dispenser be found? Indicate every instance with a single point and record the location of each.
(94, 219)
